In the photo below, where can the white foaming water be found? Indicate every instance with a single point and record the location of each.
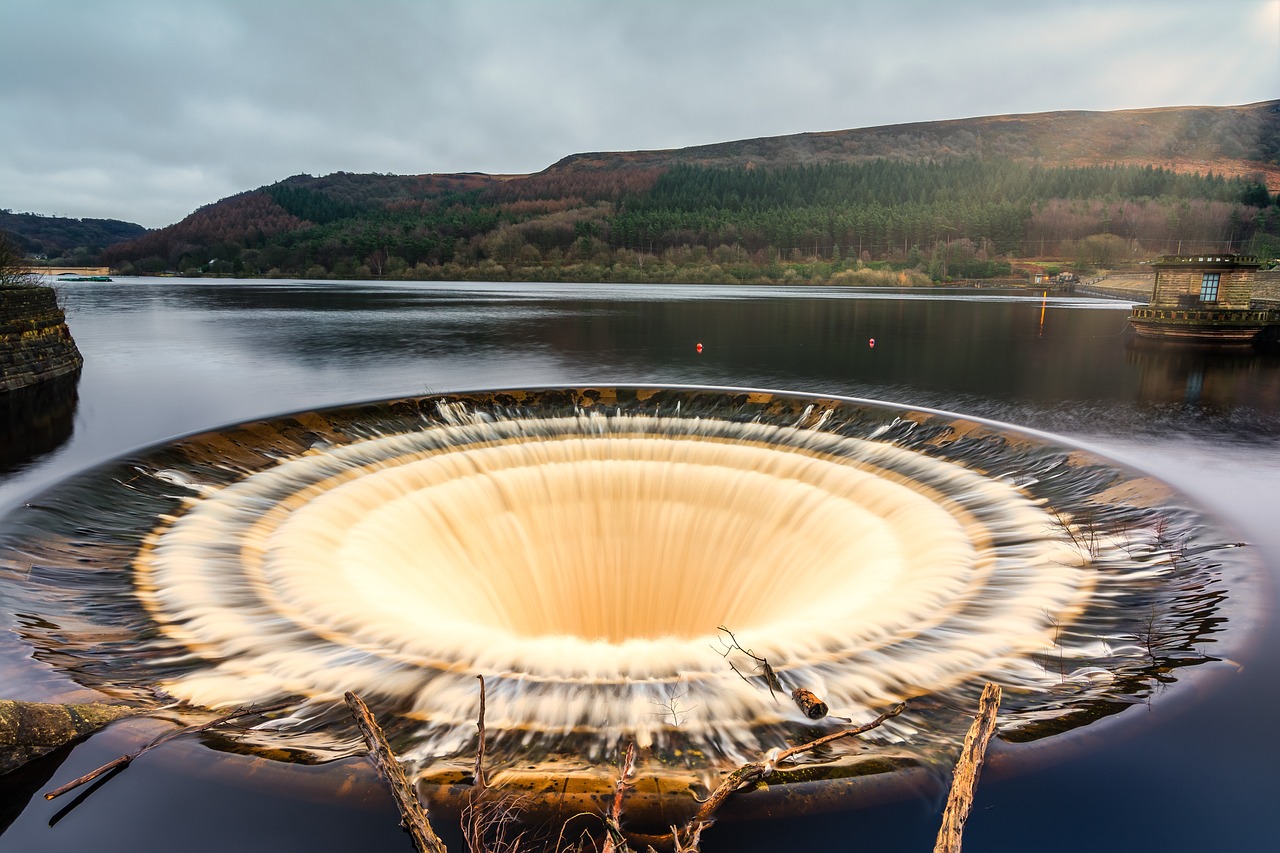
(583, 565)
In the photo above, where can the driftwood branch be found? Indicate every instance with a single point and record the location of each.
(843, 733)
(616, 842)
(481, 781)
(412, 816)
(686, 838)
(125, 760)
(969, 766)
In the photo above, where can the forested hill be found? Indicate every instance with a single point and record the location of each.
(900, 204)
(74, 240)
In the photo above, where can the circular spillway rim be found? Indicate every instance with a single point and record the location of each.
(1246, 611)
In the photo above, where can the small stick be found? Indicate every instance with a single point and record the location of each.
(613, 821)
(412, 816)
(965, 780)
(843, 733)
(481, 782)
(770, 677)
(752, 772)
(125, 760)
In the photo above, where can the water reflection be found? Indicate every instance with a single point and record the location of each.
(37, 420)
(1202, 376)
(19, 787)
(167, 357)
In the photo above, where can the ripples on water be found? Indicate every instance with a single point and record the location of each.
(580, 550)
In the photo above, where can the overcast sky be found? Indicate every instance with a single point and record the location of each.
(143, 110)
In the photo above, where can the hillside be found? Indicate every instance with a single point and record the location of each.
(1229, 141)
(61, 237)
(933, 200)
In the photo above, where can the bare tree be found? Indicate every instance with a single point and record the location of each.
(14, 270)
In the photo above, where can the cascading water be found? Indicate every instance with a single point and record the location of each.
(588, 551)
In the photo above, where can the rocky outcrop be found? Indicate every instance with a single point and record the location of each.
(30, 729)
(35, 343)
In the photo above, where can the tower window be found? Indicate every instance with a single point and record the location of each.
(1209, 287)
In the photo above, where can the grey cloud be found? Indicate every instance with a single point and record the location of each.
(148, 109)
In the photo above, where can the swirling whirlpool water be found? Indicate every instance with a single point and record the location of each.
(605, 559)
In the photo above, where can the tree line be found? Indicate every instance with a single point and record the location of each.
(945, 219)
(69, 241)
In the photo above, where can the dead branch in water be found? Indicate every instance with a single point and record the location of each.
(412, 816)
(487, 821)
(968, 767)
(481, 782)
(806, 700)
(125, 760)
(687, 837)
(766, 671)
(616, 842)
(809, 703)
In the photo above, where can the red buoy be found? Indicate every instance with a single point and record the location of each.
(699, 347)
(872, 343)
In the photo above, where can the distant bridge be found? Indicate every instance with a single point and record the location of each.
(55, 271)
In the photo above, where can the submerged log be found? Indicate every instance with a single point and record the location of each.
(413, 817)
(965, 780)
(31, 729)
(808, 702)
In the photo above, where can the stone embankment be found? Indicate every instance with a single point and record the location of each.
(35, 343)
(1133, 286)
(1138, 286)
(1266, 286)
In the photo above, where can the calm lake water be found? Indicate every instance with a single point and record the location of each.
(167, 357)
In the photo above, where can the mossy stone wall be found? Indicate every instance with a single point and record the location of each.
(35, 343)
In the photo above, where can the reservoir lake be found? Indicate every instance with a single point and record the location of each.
(168, 357)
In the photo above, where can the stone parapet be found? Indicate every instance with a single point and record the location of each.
(35, 343)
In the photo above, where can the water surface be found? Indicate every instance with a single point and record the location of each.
(167, 357)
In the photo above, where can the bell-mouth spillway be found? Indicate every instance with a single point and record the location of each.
(604, 558)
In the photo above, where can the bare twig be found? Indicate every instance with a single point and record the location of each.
(965, 780)
(766, 671)
(692, 843)
(486, 825)
(1083, 535)
(672, 706)
(686, 838)
(843, 733)
(412, 816)
(125, 760)
(487, 821)
(615, 842)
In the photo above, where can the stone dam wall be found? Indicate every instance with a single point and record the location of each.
(35, 343)
(1266, 286)
(1138, 286)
